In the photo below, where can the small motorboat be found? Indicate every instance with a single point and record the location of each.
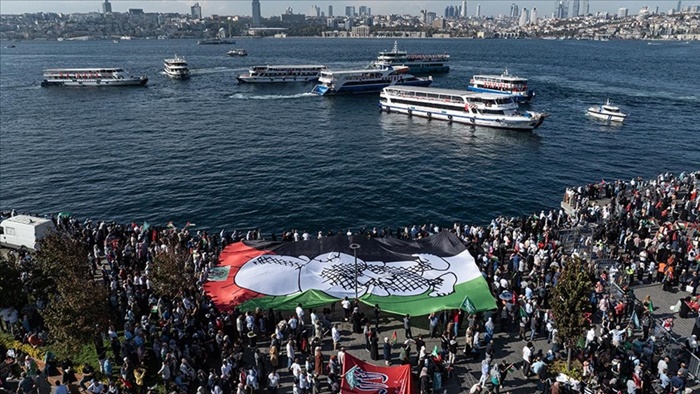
(607, 112)
(237, 52)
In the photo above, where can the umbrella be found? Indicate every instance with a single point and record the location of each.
(506, 295)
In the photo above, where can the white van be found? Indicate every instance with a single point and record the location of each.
(23, 230)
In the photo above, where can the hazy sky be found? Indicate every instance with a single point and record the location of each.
(277, 7)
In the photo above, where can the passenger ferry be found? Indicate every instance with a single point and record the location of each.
(366, 81)
(91, 77)
(417, 64)
(502, 84)
(607, 112)
(237, 52)
(472, 108)
(176, 68)
(274, 74)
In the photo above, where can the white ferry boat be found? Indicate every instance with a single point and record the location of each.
(275, 74)
(91, 77)
(176, 68)
(366, 81)
(417, 64)
(472, 108)
(607, 112)
(502, 84)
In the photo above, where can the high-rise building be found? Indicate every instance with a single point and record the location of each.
(523, 18)
(350, 11)
(533, 16)
(314, 12)
(575, 4)
(623, 12)
(106, 7)
(464, 9)
(196, 11)
(585, 7)
(514, 10)
(330, 11)
(257, 19)
(478, 10)
(369, 11)
(363, 10)
(679, 7)
(561, 10)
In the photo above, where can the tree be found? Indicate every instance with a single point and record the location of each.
(11, 289)
(571, 304)
(173, 272)
(77, 304)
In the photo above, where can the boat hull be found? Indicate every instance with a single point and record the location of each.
(413, 68)
(522, 97)
(176, 74)
(96, 82)
(506, 122)
(290, 79)
(619, 118)
(323, 90)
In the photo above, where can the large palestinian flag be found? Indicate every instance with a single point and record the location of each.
(415, 277)
(361, 377)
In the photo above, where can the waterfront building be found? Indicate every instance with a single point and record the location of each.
(585, 7)
(523, 18)
(106, 7)
(257, 19)
(430, 17)
(330, 11)
(314, 12)
(332, 23)
(562, 9)
(196, 11)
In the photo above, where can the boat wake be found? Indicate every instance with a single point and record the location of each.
(241, 96)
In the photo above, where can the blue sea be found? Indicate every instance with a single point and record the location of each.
(219, 154)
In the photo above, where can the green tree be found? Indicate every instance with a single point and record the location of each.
(11, 289)
(173, 272)
(77, 304)
(571, 303)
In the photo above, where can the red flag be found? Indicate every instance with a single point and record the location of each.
(361, 377)
(394, 338)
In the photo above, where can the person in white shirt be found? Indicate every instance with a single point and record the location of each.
(296, 369)
(335, 334)
(347, 306)
(290, 353)
(527, 354)
(341, 356)
(273, 380)
(662, 365)
(300, 314)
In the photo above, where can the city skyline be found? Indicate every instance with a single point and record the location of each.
(272, 8)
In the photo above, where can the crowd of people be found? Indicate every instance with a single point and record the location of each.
(186, 345)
